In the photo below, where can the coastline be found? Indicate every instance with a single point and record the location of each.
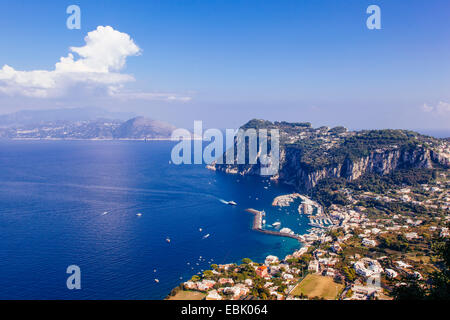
(205, 286)
(95, 139)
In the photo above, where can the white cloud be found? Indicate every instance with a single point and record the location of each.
(98, 66)
(441, 109)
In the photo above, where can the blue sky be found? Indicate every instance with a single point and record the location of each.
(225, 62)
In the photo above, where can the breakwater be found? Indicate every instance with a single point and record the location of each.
(257, 226)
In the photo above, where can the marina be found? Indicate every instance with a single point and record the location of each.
(257, 226)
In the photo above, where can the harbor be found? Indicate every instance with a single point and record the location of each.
(258, 226)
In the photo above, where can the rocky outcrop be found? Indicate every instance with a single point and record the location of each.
(304, 176)
(293, 172)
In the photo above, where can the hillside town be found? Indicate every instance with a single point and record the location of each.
(373, 243)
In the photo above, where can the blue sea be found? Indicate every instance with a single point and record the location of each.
(76, 203)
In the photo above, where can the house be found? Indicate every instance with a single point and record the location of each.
(367, 267)
(224, 266)
(300, 252)
(205, 285)
(236, 291)
(287, 276)
(226, 280)
(375, 230)
(248, 282)
(277, 294)
(403, 265)
(274, 269)
(364, 292)
(411, 235)
(330, 272)
(369, 243)
(213, 295)
(391, 273)
(190, 285)
(270, 260)
(417, 275)
(336, 247)
(262, 271)
(313, 266)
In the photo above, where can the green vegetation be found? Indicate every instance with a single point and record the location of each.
(354, 147)
(327, 191)
(439, 286)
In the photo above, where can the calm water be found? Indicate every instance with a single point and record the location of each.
(53, 195)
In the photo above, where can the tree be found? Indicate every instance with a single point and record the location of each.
(410, 291)
(349, 273)
(439, 288)
(246, 261)
(195, 278)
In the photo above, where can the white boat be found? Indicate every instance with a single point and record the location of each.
(276, 224)
(139, 214)
(200, 229)
(206, 236)
(106, 212)
(168, 240)
(232, 203)
(156, 280)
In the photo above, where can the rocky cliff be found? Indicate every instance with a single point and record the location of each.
(309, 155)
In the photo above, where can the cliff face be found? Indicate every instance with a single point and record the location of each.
(293, 172)
(304, 167)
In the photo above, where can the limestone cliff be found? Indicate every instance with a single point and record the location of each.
(309, 155)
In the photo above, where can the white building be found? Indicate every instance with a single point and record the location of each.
(367, 267)
(248, 282)
(213, 295)
(403, 265)
(368, 242)
(313, 266)
(411, 235)
(391, 273)
(271, 259)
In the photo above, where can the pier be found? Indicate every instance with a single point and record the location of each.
(257, 226)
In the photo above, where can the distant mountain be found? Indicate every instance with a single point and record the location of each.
(140, 127)
(29, 117)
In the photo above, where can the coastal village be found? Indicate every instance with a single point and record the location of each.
(356, 251)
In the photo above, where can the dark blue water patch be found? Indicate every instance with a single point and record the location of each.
(53, 199)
